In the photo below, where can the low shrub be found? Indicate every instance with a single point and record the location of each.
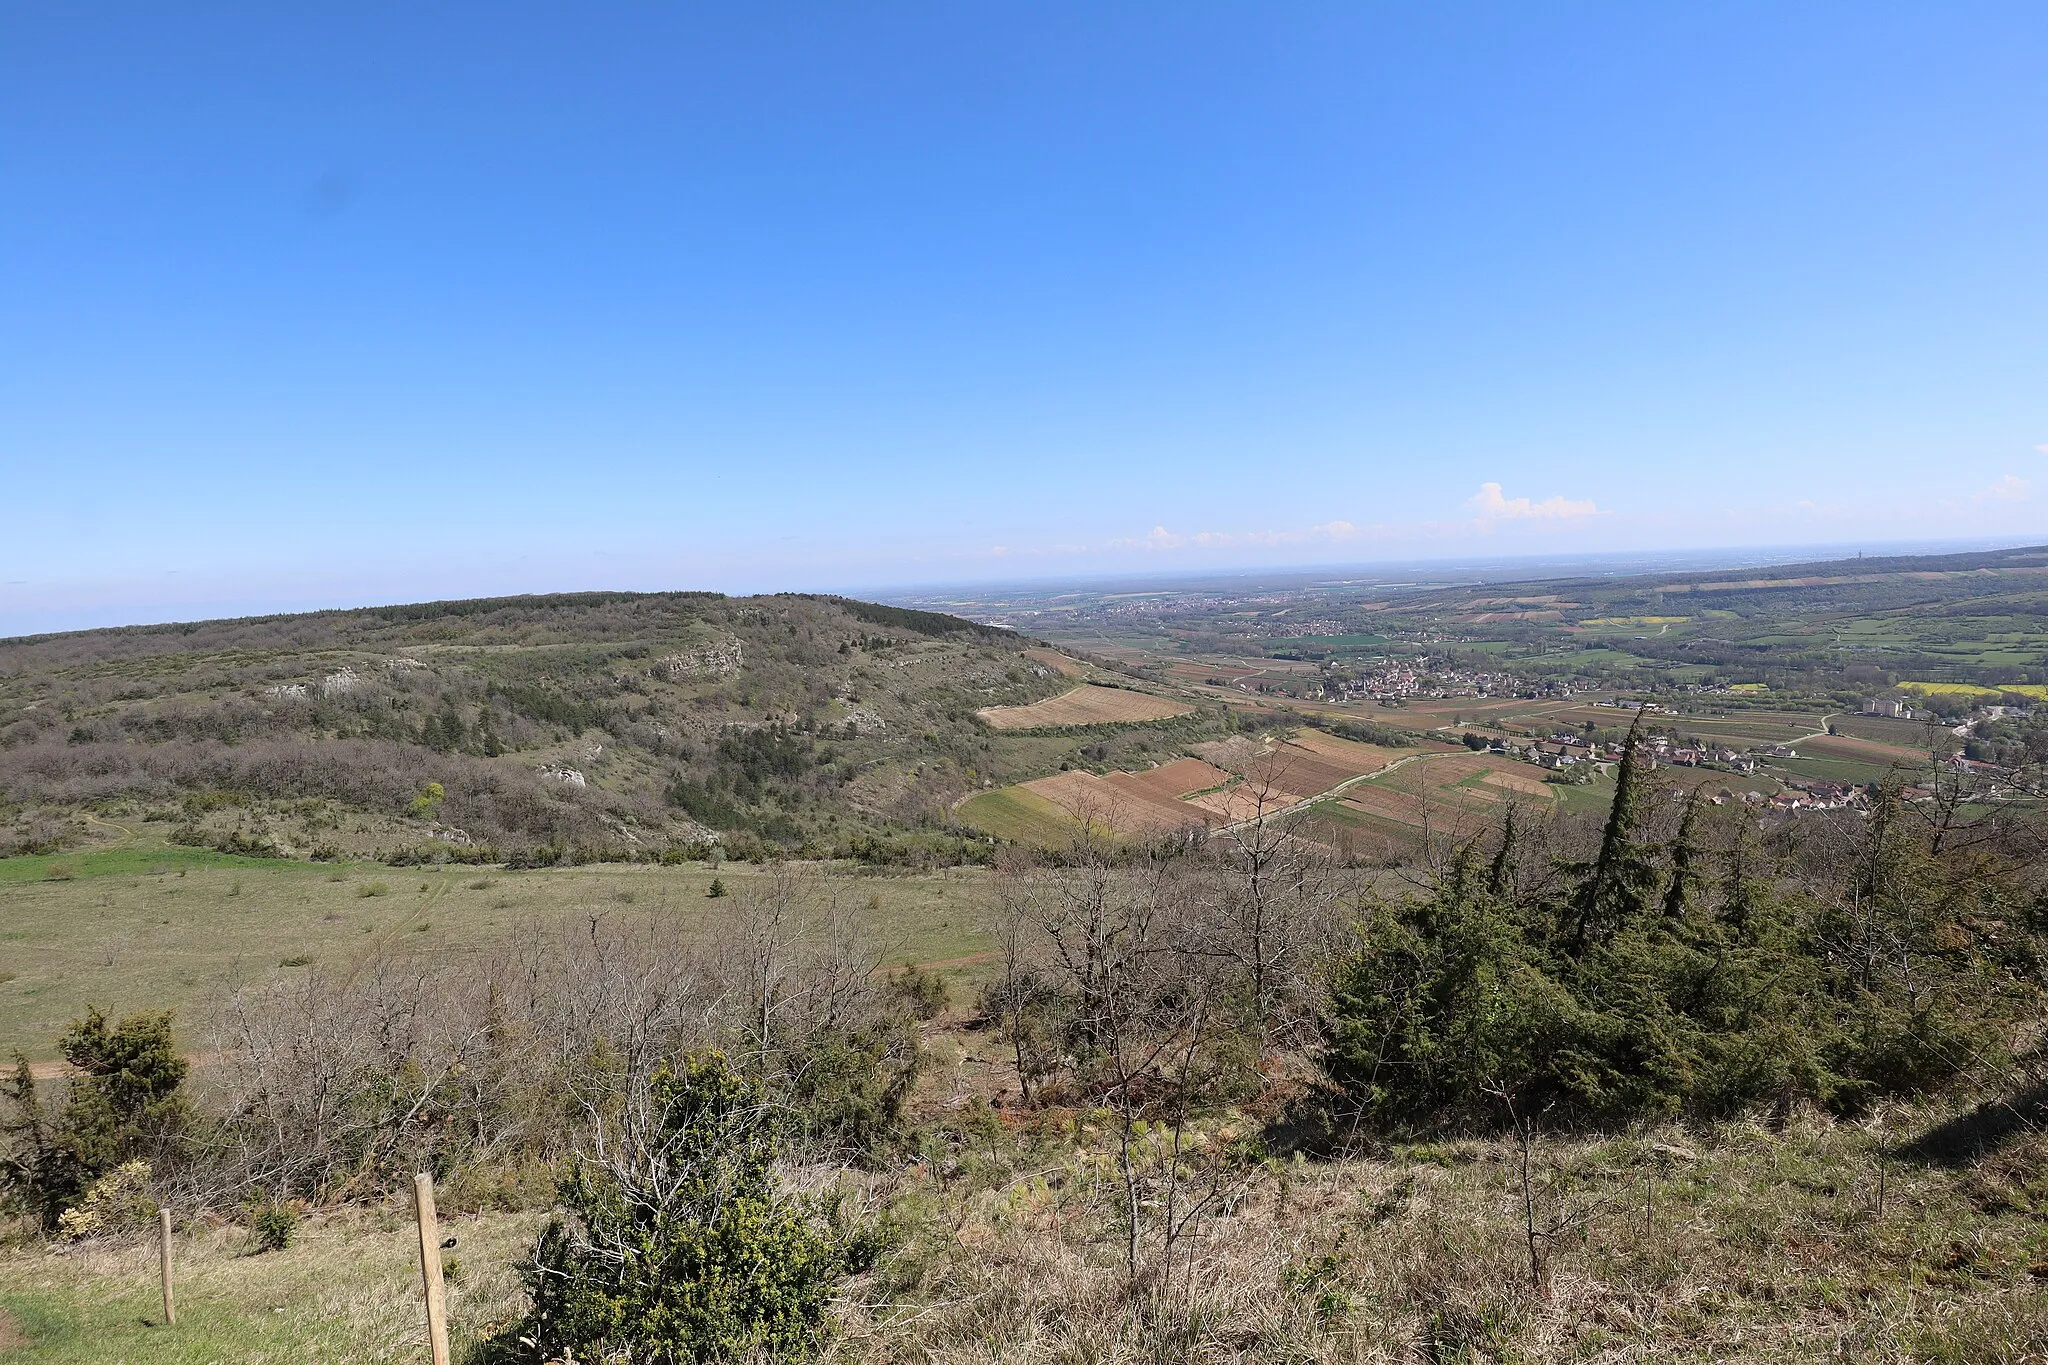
(272, 1225)
(679, 1245)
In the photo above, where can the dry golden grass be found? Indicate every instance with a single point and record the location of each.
(1733, 1243)
(1725, 1242)
(1085, 705)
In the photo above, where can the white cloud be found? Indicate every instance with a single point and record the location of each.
(2042, 449)
(1490, 508)
(2011, 488)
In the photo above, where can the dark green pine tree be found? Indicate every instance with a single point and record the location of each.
(1622, 882)
(1682, 892)
(454, 734)
(1500, 878)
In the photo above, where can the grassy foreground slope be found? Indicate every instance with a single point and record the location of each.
(1734, 1242)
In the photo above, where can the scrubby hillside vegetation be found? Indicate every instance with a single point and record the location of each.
(532, 728)
(1679, 1085)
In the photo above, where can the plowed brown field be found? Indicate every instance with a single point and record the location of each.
(1862, 750)
(1101, 802)
(1085, 705)
(1171, 781)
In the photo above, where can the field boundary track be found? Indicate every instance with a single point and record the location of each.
(1305, 802)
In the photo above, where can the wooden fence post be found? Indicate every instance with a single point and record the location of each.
(163, 1231)
(430, 1267)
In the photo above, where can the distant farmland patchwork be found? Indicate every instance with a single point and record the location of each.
(1231, 780)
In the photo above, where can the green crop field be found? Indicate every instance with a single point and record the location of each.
(1017, 815)
(1833, 769)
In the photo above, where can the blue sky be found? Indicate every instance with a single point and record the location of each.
(306, 305)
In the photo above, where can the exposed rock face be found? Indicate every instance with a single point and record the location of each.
(865, 722)
(562, 773)
(721, 660)
(340, 684)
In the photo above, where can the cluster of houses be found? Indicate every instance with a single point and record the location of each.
(1565, 750)
(1400, 680)
(1810, 796)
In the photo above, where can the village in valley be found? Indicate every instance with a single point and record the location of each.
(1480, 696)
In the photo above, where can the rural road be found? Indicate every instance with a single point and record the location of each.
(1821, 733)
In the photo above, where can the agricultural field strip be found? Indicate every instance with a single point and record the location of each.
(1089, 798)
(1337, 790)
(1470, 778)
(1087, 704)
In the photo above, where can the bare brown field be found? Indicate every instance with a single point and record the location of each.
(1101, 802)
(1477, 710)
(1863, 750)
(1247, 801)
(1448, 790)
(1454, 710)
(1171, 781)
(1448, 770)
(1295, 769)
(1232, 753)
(1364, 758)
(1387, 803)
(1526, 783)
(1085, 705)
(1060, 663)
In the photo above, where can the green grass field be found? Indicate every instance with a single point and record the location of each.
(1833, 769)
(1017, 815)
(347, 1289)
(153, 926)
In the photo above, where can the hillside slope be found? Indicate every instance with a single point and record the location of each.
(583, 725)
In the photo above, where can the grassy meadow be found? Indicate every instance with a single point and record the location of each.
(150, 925)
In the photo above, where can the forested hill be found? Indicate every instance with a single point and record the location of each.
(587, 724)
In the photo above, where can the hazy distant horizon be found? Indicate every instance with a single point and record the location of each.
(19, 620)
(1468, 568)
